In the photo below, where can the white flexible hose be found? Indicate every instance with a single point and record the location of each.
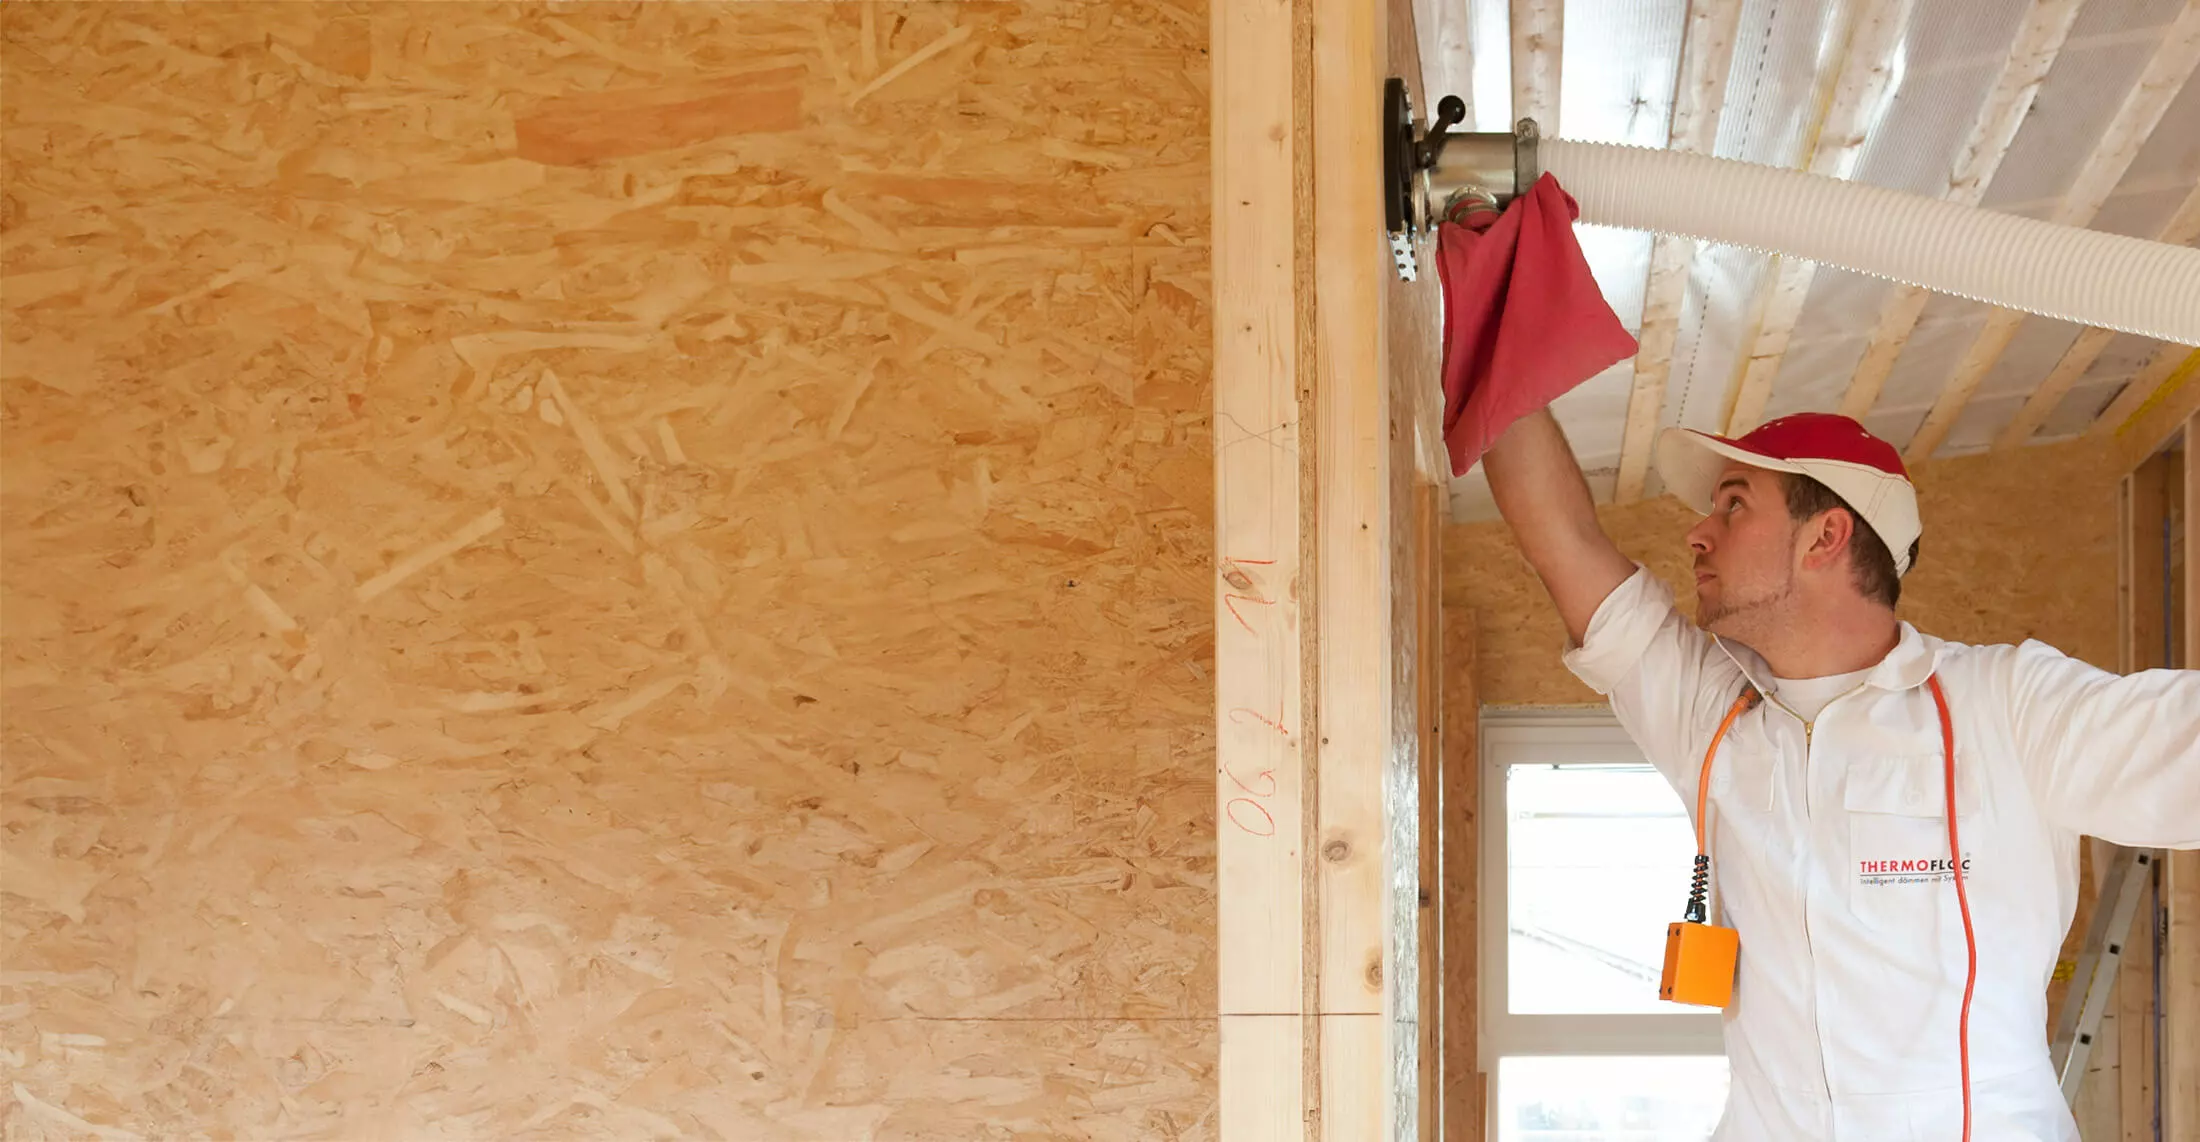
(2086, 276)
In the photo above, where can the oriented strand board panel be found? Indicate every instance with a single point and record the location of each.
(1990, 570)
(597, 572)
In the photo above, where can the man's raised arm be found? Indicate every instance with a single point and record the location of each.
(1543, 497)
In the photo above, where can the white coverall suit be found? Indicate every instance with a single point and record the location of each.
(1824, 844)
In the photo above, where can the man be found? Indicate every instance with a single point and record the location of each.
(1828, 831)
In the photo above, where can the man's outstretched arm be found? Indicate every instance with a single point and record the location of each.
(1544, 498)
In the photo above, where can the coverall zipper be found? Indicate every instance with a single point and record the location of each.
(1810, 945)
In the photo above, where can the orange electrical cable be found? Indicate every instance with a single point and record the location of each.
(1703, 777)
(1963, 897)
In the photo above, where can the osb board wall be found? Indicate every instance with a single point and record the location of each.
(606, 571)
(2017, 545)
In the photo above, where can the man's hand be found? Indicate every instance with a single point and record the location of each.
(1542, 495)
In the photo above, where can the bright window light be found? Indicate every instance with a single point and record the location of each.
(1627, 1099)
(1598, 863)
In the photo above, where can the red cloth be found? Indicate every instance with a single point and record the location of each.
(1524, 322)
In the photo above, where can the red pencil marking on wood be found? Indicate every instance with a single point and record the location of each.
(1254, 562)
(1238, 615)
(1268, 774)
(1275, 723)
(1267, 822)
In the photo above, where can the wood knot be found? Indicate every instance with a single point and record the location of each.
(1375, 973)
(1237, 579)
(1336, 850)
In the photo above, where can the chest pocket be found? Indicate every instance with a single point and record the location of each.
(1741, 782)
(1898, 832)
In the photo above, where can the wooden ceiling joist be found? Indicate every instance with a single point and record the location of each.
(2183, 227)
(1699, 87)
(1859, 97)
(1446, 41)
(2164, 76)
(2038, 41)
(2167, 382)
(1538, 42)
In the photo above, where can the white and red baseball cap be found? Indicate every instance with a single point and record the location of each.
(1862, 469)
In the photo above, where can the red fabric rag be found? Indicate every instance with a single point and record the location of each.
(1524, 322)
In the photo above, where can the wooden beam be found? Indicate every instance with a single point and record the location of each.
(2181, 875)
(2144, 384)
(1428, 596)
(1355, 682)
(1444, 34)
(1260, 771)
(2164, 411)
(2183, 227)
(2164, 76)
(2147, 497)
(1538, 48)
(2181, 998)
(1859, 97)
(2039, 40)
(1460, 797)
(1699, 87)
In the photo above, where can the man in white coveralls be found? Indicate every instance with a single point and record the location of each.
(1827, 797)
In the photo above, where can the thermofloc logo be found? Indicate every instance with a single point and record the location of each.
(1908, 870)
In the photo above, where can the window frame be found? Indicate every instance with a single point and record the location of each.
(1526, 737)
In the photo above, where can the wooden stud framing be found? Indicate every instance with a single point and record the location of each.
(1538, 42)
(1260, 764)
(2165, 74)
(2039, 40)
(1355, 684)
(1319, 693)
(2183, 227)
(2181, 875)
(1463, 1080)
(1428, 513)
(1699, 87)
(1859, 95)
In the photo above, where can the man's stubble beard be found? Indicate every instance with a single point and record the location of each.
(1740, 621)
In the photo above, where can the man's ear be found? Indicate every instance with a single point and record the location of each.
(1829, 537)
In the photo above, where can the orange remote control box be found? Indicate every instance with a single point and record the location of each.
(1699, 964)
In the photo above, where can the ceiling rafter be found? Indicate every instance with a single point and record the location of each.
(2157, 419)
(1538, 42)
(1859, 98)
(2183, 228)
(2164, 76)
(1443, 30)
(2171, 367)
(2038, 41)
(1699, 87)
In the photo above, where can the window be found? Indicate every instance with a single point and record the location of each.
(1586, 857)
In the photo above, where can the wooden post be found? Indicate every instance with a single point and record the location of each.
(1429, 653)
(1318, 592)
(2181, 875)
(1352, 525)
(1461, 778)
(1259, 773)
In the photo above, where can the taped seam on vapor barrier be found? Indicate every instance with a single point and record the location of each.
(2087, 276)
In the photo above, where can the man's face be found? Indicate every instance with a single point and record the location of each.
(1745, 555)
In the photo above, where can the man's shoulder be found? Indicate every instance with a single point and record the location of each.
(2001, 657)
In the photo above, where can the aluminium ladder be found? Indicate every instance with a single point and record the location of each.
(2098, 962)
